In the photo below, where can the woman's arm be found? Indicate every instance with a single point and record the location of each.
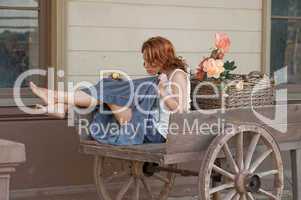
(177, 102)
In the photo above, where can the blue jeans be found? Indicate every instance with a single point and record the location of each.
(140, 129)
(154, 138)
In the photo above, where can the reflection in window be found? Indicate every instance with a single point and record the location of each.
(286, 38)
(19, 3)
(19, 39)
(286, 8)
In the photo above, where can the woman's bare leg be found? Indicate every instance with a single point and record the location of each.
(78, 98)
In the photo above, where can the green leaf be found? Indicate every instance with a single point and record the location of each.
(230, 65)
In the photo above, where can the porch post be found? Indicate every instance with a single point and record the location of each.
(296, 173)
(4, 187)
(11, 155)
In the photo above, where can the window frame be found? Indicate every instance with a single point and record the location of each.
(44, 17)
(294, 90)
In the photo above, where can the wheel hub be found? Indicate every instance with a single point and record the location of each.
(253, 183)
(149, 169)
(246, 182)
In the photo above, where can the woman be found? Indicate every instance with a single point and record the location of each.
(173, 91)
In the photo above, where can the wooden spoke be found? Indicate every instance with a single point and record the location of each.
(240, 154)
(137, 189)
(251, 150)
(124, 189)
(135, 182)
(250, 196)
(120, 175)
(243, 197)
(223, 172)
(259, 160)
(236, 197)
(268, 194)
(240, 151)
(161, 178)
(100, 168)
(147, 187)
(230, 158)
(230, 195)
(221, 188)
(267, 173)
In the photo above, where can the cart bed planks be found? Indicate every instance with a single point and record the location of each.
(233, 135)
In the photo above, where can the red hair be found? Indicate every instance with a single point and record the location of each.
(159, 50)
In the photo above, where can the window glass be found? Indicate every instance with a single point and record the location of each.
(286, 38)
(21, 3)
(19, 41)
(286, 8)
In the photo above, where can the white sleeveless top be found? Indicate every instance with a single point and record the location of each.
(162, 116)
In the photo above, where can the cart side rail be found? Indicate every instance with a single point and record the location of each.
(193, 131)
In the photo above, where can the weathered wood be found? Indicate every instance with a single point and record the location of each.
(193, 131)
(267, 173)
(140, 148)
(137, 189)
(240, 150)
(230, 195)
(223, 172)
(124, 189)
(129, 186)
(12, 154)
(250, 196)
(230, 158)
(259, 160)
(143, 153)
(251, 150)
(287, 146)
(268, 194)
(183, 157)
(184, 141)
(187, 143)
(151, 153)
(296, 173)
(241, 181)
(4, 186)
(147, 188)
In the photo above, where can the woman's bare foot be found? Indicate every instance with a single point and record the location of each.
(42, 93)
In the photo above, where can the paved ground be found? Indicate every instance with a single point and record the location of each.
(89, 197)
(287, 196)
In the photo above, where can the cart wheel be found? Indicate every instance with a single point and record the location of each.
(253, 166)
(133, 181)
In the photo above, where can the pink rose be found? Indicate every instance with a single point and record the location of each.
(222, 41)
(213, 67)
(209, 64)
(219, 63)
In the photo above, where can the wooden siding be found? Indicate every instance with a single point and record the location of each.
(108, 34)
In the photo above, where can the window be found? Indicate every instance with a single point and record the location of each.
(24, 42)
(286, 38)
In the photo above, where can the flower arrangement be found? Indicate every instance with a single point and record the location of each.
(214, 65)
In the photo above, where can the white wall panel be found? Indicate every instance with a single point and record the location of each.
(119, 15)
(118, 39)
(229, 4)
(90, 63)
(108, 34)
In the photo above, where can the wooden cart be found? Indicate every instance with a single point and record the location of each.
(231, 160)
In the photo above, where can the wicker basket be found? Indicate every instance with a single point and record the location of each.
(241, 91)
